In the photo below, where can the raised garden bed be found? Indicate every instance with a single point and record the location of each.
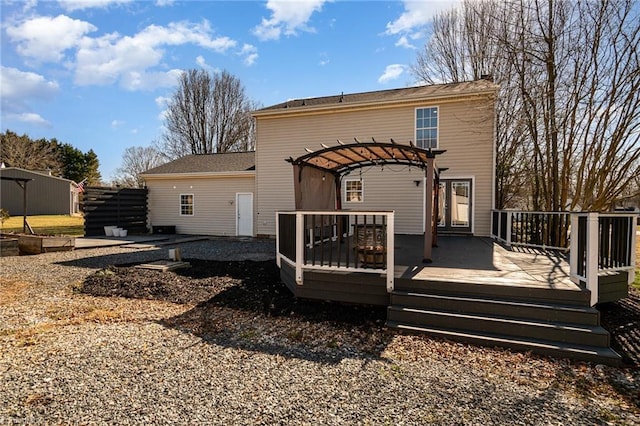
(8, 246)
(36, 244)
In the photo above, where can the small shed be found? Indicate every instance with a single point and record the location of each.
(204, 194)
(47, 194)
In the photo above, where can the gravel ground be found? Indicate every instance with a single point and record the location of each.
(67, 357)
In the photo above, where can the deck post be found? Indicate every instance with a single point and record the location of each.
(509, 218)
(278, 255)
(632, 230)
(573, 249)
(299, 246)
(428, 211)
(591, 270)
(390, 251)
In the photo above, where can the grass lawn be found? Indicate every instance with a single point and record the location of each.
(47, 225)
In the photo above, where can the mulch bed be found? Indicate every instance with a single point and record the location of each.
(245, 285)
(256, 287)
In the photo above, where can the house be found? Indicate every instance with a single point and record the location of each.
(208, 194)
(356, 189)
(46, 194)
(457, 118)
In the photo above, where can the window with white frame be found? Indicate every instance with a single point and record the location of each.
(186, 204)
(427, 127)
(353, 191)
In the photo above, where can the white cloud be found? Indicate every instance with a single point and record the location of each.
(18, 89)
(112, 57)
(16, 85)
(115, 124)
(162, 101)
(404, 42)
(164, 3)
(287, 17)
(250, 53)
(135, 80)
(46, 39)
(392, 72)
(201, 61)
(71, 5)
(29, 4)
(31, 118)
(417, 14)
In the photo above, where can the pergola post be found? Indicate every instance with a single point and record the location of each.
(428, 211)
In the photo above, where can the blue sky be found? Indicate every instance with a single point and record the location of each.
(96, 74)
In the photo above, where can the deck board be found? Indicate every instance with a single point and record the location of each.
(481, 261)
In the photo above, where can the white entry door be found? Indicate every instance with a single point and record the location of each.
(244, 213)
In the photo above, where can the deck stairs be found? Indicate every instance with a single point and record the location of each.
(541, 320)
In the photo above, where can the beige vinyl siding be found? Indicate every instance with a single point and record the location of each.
(214, 203)
(466, 129)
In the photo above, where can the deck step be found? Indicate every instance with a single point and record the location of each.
(574, 297)
(602, 355)
(506, 308)
(570, 333)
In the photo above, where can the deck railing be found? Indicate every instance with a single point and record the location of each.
(546, 230)
(336, 241)
(601, 243)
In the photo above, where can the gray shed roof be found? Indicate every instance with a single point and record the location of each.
(385, 96)
(32, 174)
(208, 163)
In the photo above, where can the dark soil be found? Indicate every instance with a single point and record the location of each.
(256, 287)
(245, 285)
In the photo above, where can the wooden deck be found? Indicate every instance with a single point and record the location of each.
(481, 261)
(476, 291)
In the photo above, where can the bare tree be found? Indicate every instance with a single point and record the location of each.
(569, 105)
(136, 160)
(208, 115)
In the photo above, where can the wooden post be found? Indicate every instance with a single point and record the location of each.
(428, 212)
(24, 207)
(339, 219)
(278, 255)
(632, 230)
(509, 217)
(573, 249)
(299, 246)
(591, 271)
(390, 251)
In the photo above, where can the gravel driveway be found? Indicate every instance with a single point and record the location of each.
(71, 358)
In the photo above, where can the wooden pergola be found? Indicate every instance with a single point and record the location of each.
(342, 159)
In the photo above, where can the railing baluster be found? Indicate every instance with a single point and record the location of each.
(312, 237)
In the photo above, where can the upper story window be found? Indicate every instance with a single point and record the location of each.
(353, 191)
(186, 204)
(427, 127)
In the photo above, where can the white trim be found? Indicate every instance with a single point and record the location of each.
(494, 186)
(415, 125)
(473, 197)
(238, 213)
(193, 205)
(248, 174)
(344, 195)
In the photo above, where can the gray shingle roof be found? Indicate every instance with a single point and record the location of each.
(208, 163)
(431, 91)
